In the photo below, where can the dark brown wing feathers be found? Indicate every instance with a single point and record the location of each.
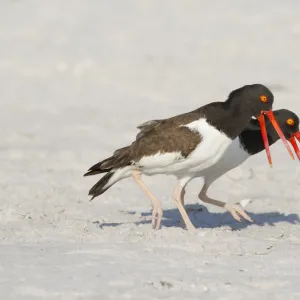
(164, 136)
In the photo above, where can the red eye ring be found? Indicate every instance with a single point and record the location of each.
(290, 122)
(264, 98)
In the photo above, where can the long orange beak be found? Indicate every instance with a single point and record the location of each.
(261, 120)
(273, 121)
(292, 140)
(279, 131)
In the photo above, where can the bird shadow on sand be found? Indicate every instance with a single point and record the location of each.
(202, 218)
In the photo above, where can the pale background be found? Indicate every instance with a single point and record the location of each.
(76, 78)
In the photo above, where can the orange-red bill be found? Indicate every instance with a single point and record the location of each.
(279, 131)
(297, 135)
(293, 142)
(261, 120)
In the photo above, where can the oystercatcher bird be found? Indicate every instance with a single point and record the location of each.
(248, 143)
(187, 143)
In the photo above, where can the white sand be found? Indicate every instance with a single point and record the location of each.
(77, 77)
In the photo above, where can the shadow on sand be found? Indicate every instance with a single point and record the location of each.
(202, 218)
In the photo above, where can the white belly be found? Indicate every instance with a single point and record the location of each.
(233, 156)
(208, 152)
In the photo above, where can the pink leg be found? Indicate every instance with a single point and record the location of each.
(178, 198)
(157, 212)
(235, 210)
(182, 224)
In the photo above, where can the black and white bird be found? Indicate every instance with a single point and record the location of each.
(248, 143)
(186, 144)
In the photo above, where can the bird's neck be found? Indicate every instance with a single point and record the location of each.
(226, 117)
(252, 141)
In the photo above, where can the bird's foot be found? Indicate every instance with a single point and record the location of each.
(157, 215)
(237, 212)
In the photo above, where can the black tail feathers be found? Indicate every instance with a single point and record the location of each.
(99, 168)
(94, 172)
(99, 188)
(111, 165)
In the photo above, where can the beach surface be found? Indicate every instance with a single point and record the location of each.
(77, 77)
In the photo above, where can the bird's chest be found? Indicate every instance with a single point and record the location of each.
(213, 143)
(233, 156)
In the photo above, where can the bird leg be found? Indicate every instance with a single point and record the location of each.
(178, 198)
(235, 210)
(182, 224)
(157, 211)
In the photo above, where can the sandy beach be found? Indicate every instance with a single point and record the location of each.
(77, 77)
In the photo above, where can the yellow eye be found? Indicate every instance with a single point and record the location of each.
(264, 98)
(290, 122)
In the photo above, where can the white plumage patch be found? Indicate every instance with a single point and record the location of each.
(154, 163)
(118, 175)
(210, 149)
(233, 156)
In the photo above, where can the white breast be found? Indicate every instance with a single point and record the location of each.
(213, 145)
(233, 156)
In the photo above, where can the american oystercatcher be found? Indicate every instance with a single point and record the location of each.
(248, 143)
(187, 143)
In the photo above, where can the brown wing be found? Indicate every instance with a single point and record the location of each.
(154, 124)
(149, 124)
(146, 127)
(162, 136)
(165, 135)
(165, 139)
